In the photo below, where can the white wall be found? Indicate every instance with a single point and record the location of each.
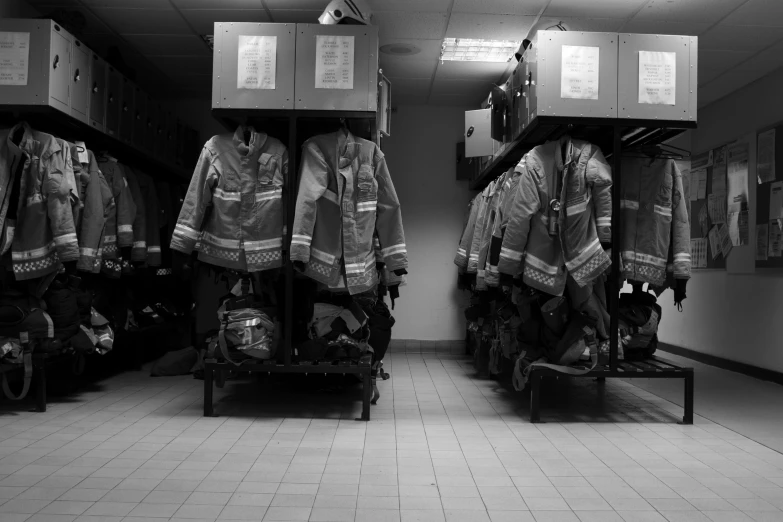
(734, 314)
(421, 155)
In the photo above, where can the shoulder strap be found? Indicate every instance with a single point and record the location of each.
(28, 377)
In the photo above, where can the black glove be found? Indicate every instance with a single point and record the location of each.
(679, 292)
(300, 266)
(394, 293)
(400, 272)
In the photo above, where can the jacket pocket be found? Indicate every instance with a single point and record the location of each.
(368, 187)
(267, 168)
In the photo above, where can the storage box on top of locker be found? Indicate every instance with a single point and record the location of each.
(658, 77)
(252, 66)
(478, 134)
(572, 74)
(35, 64)
(336, 67)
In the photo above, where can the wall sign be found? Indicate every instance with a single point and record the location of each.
(579, 72)
(334, 62)
(257, 62)
(14, 58)
(657, 77)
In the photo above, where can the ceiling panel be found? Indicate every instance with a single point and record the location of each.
(594, 8)
(308, 5)
(475, 89)
(497, 27)
(143, 21)
(164, 44)
(599, 25)
(661, 27)
(516, 7)
(177, 65)
(407, 67)
(455, 100)
(758, 12)
(435, 6)
(53, 3)
(223, 4)
(410, 86)
(295, 16)
(128, 4)
(740, 37)
(78, 19)
(476, 71)
(704, 11)
(396, 24)
(714, 63)
(203, 20)
(430, 49)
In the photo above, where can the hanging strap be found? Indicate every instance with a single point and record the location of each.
(28, 377)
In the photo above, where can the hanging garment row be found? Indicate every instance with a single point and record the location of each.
(535, 253)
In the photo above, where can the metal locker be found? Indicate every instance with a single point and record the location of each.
(179, 142)
(516, 98)
(344, 86)
(236, 83)
(139, 118)
(80, 80)
(127, 110)
(113, 101)
(657, 52)
(171, 138)
(478, 138)
(97, 84)
(155, 129)
(59, 82)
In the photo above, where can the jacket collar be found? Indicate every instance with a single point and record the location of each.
(257, 140)
(26, 141)
(564, 152)
(347, 148)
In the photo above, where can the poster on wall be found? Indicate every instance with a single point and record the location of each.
(714, 242)
(334, 57)
(765, 158)
(257, 62)
(775, 239)
(725, 240)
(762, 237)
(579, 72)
(14, 58)
(657, 77)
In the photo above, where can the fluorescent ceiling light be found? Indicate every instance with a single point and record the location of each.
(472, 50)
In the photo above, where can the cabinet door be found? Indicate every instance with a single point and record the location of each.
(80, 80)
(140, 118)
(113, 102)
(97, 84)
(127, 110)
(60, 68)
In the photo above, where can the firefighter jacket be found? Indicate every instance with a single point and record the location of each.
(233, 214)
(545, 254)
(13, 161)
(462, 257)
(655, 225)
(495, 192)
(508, 192)
(118, 232)
(97, 204)
(345, 195)
(149, 194)
(45, 235)
(139, 250)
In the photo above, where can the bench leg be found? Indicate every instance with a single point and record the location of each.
(535, 396)
(366, 396)
(39, 374)
(208, 374)
(687, 417)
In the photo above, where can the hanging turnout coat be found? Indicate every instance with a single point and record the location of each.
(584, 221)
(345, 195)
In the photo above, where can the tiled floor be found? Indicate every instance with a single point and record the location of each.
(442, 446)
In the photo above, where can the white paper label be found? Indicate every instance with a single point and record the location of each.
(579, 73)
(257, 62)
(14, 58)
(334, 62)
(657, 77)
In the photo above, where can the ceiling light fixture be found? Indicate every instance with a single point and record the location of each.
(475, 50)
(400, 49)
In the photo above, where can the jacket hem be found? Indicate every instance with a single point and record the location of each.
(593, 268)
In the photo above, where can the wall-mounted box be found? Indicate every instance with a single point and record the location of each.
(127, 110)
(336, 67)
(37, 70)
(498, 98)
(658, 77)
(252, 66)
(81, 58)
(113, 101)
(98, 84)
(384, 105)
(478, 138)
(572, 74)
(140, 129)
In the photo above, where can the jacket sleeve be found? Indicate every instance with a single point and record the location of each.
(478, 229)
(681, 230)
(93, 220)
(58, 204)
(313, 183)
(461, 259)
(197, 200)
(599, 178)
(526, 203)
(139, 252)
(152, 205)
(388, 222)
(126, 209)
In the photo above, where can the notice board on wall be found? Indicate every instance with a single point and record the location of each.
(706, 193)
(769, 197)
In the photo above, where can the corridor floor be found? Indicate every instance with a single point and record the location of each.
(442, 446)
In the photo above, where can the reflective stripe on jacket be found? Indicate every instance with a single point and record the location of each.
(654, 221)
(584, 219)
(241, 185)
(45, 235)
(345, 195)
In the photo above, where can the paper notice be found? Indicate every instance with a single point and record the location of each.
(699, 253)
(334, 62)
(579, 73)
(257, 62)
(717, 208)
(776, 200)
(702, 187)
(14, 58)
(704, 221)
(720, 155)
(725, 240)
(775, 239)
(738, 227)
(762, 237)
(714, 242)
(719, 179)
(765, 160)
(657, 77)
(738, 177)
